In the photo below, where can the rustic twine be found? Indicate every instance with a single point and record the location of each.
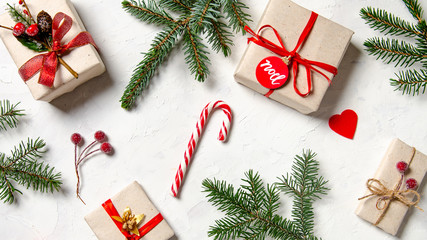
(386, 196)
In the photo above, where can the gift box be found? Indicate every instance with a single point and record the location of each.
(84, 60)
(134, 198)
(326, 43)
(371, 207)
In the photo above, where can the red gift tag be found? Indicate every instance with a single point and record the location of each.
(272, 72)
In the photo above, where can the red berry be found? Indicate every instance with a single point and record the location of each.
(411, 184)
(32, 30)
(18, 29)
(76, 138)
(100, 136)
(26, 12)
(106, 148)
(21, 2)
(402, 167)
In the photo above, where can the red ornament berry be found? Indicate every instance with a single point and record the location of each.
(18, 29)
(106, 148)
(100, 136)
(76, 138)
(402, 167)
(411, 184)
(25, 12)
(21, 2)
(32, 30)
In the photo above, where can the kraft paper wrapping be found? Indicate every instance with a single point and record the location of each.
(84, 60)
(389, 176)
(132, 196)
(326, 43)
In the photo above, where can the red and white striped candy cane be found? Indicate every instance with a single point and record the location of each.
(195, 138)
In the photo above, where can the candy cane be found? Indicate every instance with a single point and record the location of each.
(195, 138)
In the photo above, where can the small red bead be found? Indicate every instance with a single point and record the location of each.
(411, 184)
(76, 138)
(402, 167)
(106, 148)
(32, 30)
(21, 2)
(18, 29)
(26, 12)
(100, 136)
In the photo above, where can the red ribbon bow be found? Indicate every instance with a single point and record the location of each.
(293, 56)
(112, 211)
(47, 63)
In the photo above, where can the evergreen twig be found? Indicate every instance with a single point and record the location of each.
(9, 114)
(24, 168)
(251, 210)
(196, 18)
(401, 53)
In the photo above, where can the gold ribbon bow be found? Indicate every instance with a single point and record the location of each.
(130, 221)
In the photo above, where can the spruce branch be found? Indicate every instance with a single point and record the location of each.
(18, 15)
(24, 168)
(401, 53)
(251, 210)
(196, 19)
(9, 114)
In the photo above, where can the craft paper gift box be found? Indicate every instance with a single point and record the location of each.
(134, 197)
(389, 176)
(326, 43)
(84, 60)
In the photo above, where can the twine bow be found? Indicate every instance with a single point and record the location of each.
(292, 57)
(386, 196)
(47, 63)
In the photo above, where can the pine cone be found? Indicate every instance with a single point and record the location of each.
(44, 22)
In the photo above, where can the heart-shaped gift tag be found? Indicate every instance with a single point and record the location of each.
(344, 124)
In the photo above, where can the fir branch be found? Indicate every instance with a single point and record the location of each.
(196, 55)
(196, 18)
(18, 15)
(235, 13)
(392, 50)
(9, 114)
(415, 9)
(251, 209)
(401, 53)
(161, 47)
(411, 81)
(219, 37)
(204, 12)
(148, 12)
(387, 23)
(24, 168)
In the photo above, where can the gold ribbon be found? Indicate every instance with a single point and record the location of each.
(386, 196)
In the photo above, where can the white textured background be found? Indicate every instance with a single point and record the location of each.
(150, 140)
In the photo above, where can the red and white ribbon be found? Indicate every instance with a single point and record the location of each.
(195, 138)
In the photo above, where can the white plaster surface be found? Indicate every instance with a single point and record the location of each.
(150, 140)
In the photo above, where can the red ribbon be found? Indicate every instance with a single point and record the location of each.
(47, 63)
(112, 211)
(293, 56)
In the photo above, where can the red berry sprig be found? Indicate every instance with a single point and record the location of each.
(77, 139)
(411, 183)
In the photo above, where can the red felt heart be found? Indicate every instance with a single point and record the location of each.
(344, 124)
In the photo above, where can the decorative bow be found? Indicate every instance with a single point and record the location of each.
(293, 56)
(47, 63)
(127, 225)
(386, 196)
